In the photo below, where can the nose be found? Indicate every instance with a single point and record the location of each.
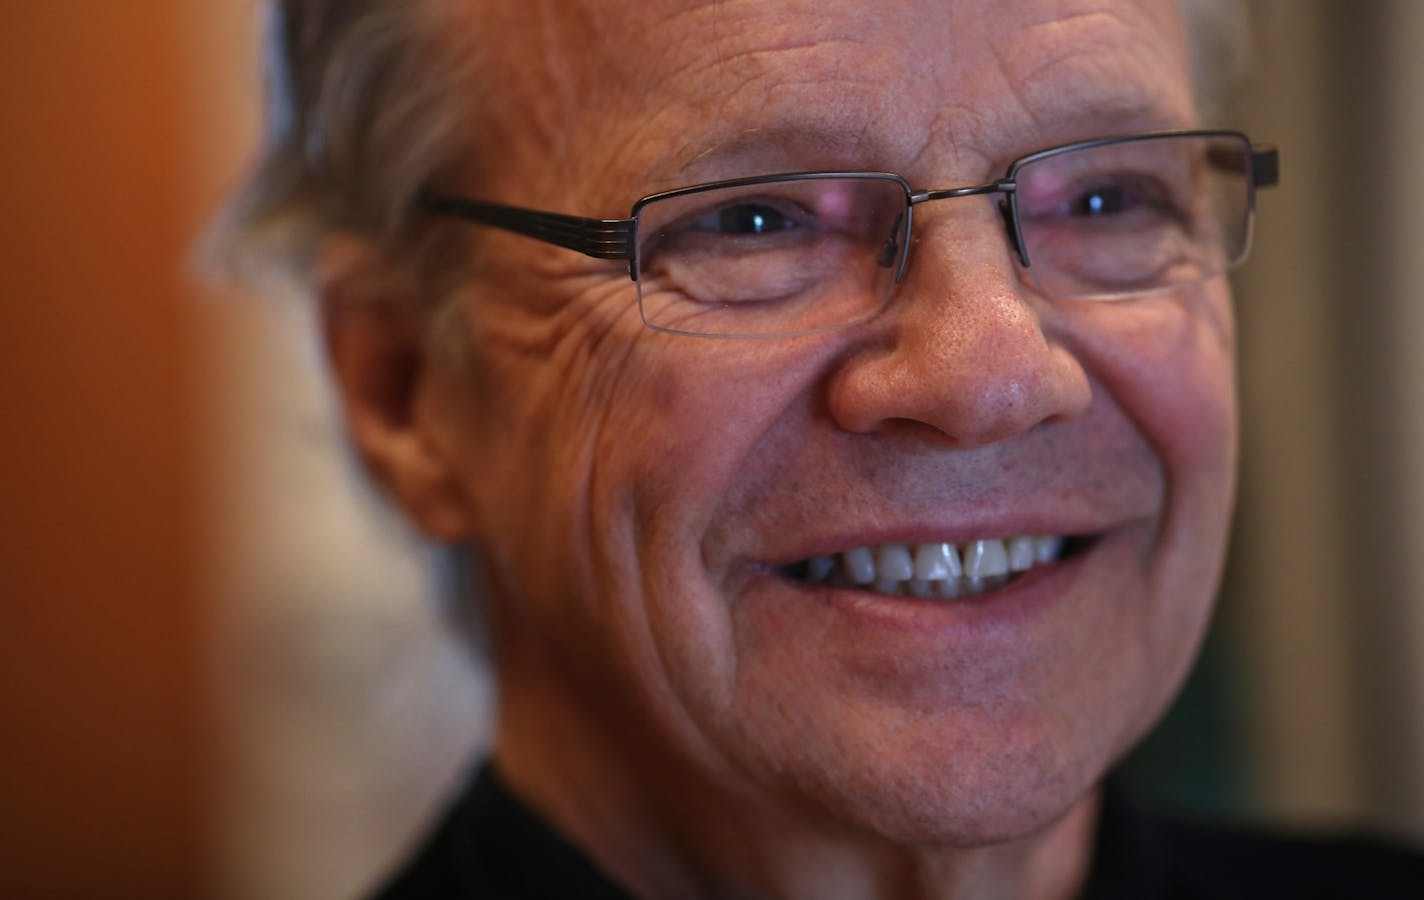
(961, 349)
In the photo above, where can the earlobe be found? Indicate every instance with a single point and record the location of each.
(374, 325)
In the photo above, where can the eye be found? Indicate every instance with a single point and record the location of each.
(1117, 196)
(1101, 201)
(744, 219)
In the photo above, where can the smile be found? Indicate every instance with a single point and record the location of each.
(931, 571)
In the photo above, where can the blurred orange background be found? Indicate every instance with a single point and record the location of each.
(106, 173)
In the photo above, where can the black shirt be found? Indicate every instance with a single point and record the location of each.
(491, 847)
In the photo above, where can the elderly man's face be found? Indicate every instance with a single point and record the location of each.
(644, 499)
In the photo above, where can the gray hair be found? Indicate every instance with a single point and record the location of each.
(367, 102)
(363, 108)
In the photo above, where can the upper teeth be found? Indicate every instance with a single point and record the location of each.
(924, 570)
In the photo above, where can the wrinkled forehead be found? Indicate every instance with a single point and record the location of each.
(641, 95)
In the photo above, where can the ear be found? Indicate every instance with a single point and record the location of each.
(375, 328)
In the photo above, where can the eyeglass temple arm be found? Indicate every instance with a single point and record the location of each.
(599, 238)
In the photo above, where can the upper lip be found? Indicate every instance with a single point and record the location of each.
(805, 510)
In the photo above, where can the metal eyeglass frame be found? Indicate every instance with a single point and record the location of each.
(617, 238)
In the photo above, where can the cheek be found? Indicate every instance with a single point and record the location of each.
(541, 396)
(702, 419)
(703, 427)
(596, 452)
(1168, 364)
(701, 423)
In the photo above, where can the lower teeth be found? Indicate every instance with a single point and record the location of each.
(947, 589)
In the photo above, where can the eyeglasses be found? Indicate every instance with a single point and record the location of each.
(805, 252)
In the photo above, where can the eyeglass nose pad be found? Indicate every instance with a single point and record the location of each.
(890, 250)
(1006, 212)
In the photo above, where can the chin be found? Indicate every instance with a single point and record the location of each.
(923, 787)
